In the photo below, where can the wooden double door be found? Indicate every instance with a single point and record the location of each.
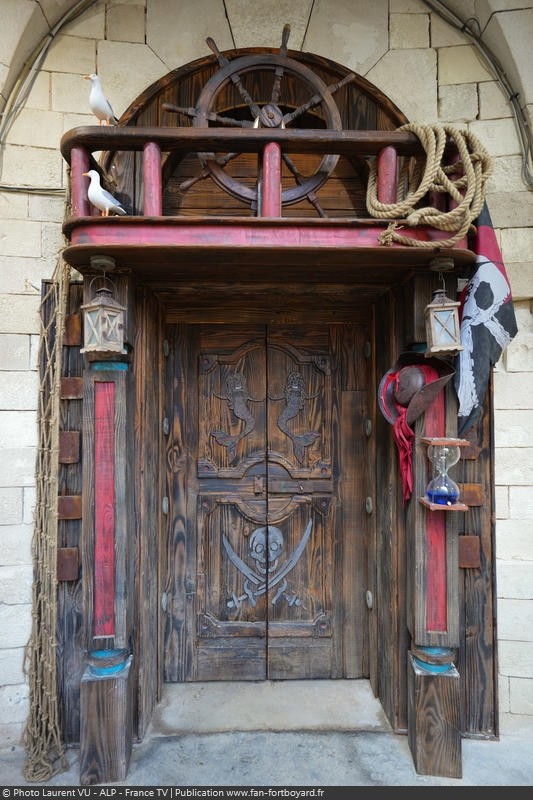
(266, 552)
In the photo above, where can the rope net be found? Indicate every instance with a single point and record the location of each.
(463, 181)
(42, 736)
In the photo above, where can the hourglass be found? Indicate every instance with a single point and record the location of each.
(442, 490)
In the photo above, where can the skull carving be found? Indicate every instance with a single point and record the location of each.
(266, 548)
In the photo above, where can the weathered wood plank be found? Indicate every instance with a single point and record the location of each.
(145, 435)
(239, 140)
(177, 562)
(434, 721)
(70, 628)
(389, 532)
(103, 566)
(107, 719)
(477, 651)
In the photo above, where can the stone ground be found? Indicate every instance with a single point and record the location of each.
(295, 733)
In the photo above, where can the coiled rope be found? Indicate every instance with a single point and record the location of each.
(463, 181)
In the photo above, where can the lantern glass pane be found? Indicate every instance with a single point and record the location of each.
(444, 327)
(91, 328)
(111, 327)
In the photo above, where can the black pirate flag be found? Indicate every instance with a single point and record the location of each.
(488, 323)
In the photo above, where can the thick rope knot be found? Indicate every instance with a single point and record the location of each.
(387, 237)
(461, 183)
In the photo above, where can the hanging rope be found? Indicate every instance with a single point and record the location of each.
(463, 181)
(42, 736)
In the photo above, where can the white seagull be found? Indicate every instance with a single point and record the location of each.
(98, 102)
(100, 198)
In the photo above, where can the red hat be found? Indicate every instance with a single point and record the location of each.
(408, 385)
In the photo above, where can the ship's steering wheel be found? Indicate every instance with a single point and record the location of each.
(244, 72)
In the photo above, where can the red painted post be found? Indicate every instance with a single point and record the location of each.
(387, 175)
(437, 587)
(79, 163)
(271, 181)
(104, 509)
(153, 187)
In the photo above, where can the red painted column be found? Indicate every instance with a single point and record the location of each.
(153, 186)
(104, 509)
(79, 163)
(271, 183)
(387, 175)
(436, 595)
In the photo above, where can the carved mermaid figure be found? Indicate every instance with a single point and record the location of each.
(237, 398)
(295, 397)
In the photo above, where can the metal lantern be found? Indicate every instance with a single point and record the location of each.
(103, 322)
(443, 332)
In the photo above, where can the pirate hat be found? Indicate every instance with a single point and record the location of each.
(407, 385)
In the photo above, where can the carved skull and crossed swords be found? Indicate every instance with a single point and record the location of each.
(266, 546)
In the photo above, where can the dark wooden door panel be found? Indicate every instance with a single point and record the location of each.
(232, 403)
(266, 592)
(258, 585)
(299, 409)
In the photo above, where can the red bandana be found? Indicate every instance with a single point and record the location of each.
(404, 436)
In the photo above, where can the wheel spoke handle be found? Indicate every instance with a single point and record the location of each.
(311, 196)
(235, 78)
(189, 112)
(279, 70)
(316, 99)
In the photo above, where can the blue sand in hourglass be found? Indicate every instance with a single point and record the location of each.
(442, 490)
(442, 496)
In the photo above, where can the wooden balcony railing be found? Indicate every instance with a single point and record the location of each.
(268, 229)
(78, 145)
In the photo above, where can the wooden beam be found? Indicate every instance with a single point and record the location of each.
(271, 181)
(241, 140)
(106, 719)
(153, 187)
(79, 163)
(434, 720)
(387, 175)
(104, 509)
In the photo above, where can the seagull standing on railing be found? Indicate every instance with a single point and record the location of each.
(98, 102)
(100, 198)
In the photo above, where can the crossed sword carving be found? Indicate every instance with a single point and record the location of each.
(259, 580)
